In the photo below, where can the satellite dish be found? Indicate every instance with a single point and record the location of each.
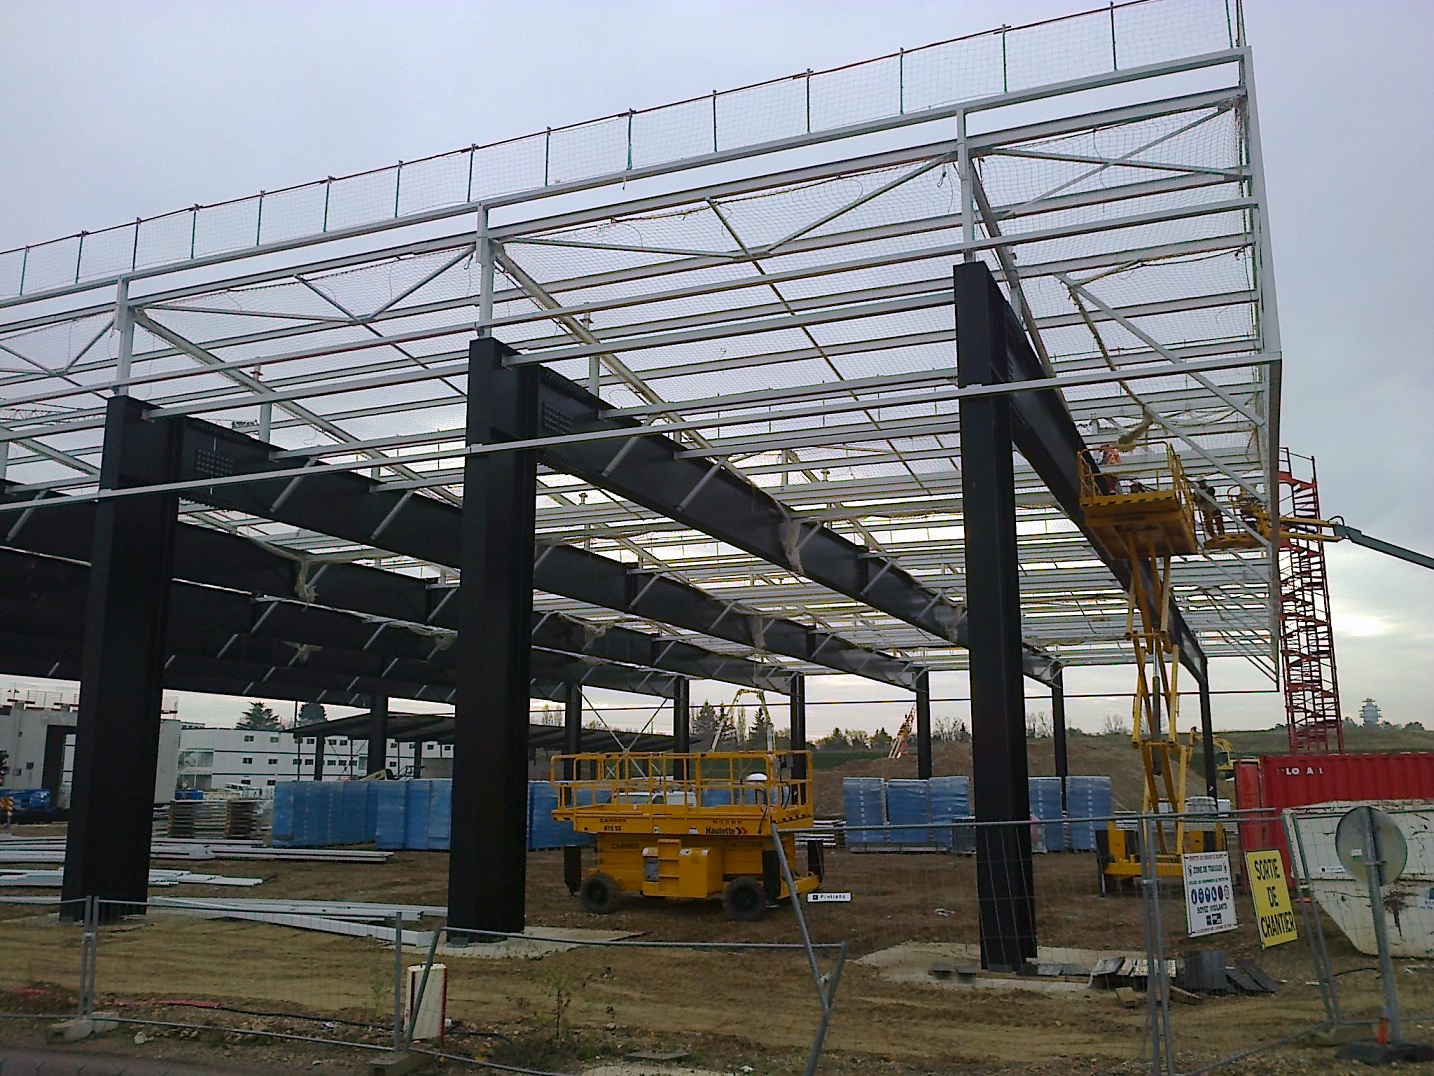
(1350, 838)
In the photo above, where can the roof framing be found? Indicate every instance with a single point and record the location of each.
(780, 326)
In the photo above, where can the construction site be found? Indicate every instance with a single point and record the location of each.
(938, 376)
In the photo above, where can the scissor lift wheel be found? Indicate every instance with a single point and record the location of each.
(600, 894)
(744, 900)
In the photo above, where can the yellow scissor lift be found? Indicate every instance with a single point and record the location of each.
(691, 826)
(1141, 511)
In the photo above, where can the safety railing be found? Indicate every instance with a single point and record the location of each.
(885, 91)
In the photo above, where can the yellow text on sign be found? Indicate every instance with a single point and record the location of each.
(1273, 913)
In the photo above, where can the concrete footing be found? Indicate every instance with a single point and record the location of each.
(397, 1064)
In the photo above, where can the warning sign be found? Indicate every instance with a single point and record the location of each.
(1273, 914)
(1209, 895)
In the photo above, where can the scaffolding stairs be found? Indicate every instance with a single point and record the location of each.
(1311, 681)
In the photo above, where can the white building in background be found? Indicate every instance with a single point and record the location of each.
(191, 756)
(37, 732)
(258, 759)
(1369, 715)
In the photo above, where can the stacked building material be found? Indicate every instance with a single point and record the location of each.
(413, 815)
(865, 801)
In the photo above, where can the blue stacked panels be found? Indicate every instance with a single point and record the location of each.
(908, 812)
(415, 816)
(1086, 797)
(282, 833)
(370, 816)
(309, 815)
(440, 816)
(864, 799)
(352, 827)
(1045, 793)
(951, 802)
(716, 797)
(390, 800)
(543, 831)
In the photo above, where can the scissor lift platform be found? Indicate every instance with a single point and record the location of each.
(690, 826)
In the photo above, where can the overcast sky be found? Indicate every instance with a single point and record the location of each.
(109, 111)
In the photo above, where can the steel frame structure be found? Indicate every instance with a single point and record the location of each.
(710, 389)
(779, 308)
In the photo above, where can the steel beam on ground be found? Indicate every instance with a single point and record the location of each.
(1005, 890)
(488, 856)
(122, 671)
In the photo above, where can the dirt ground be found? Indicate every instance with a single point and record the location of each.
(577, 1009)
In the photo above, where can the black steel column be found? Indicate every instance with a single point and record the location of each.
(417, 759)
(923, 726)
(573, 745)
(1212, 777)
(682, 715)
(377, 733)
(797, 720)
(52, 768)
(1004, 890)
(573, 726)
(122, 669)
(1058, 733)
(318, 758)
(488, 858)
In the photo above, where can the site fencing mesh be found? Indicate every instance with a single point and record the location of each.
(887, 961)
(887, 90)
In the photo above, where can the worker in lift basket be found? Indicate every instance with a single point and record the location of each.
(1108, 484)
(1211, 517)
(758, 781)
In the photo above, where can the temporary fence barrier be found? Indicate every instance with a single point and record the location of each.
(906, 928)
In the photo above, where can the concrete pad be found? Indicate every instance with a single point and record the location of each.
(398, 1064)
(647, 1069)
(73, 1030)
(544, 941)
(911, 962)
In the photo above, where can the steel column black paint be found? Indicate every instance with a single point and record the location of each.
(1058, 734)
(923, 726)
(488, 857)
(377, 733)
(122, 663)
(1004, 887)
(797, 720)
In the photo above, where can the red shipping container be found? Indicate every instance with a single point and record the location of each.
(1296, 780)
(1249, 796)
(1280, 781)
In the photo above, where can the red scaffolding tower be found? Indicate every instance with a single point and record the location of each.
(1306, 633)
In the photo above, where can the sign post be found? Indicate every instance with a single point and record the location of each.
(1371, 846)
(1209, 893)
(1274, 915)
